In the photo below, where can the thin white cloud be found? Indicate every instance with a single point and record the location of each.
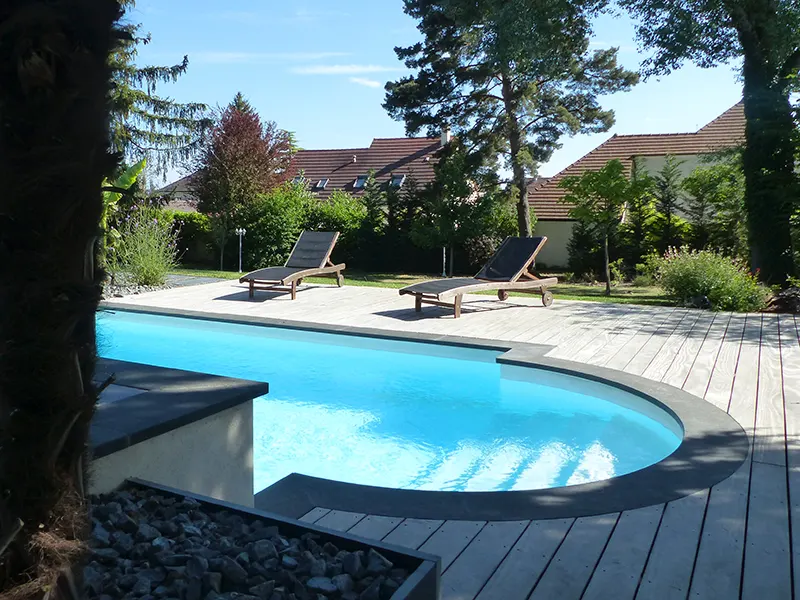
(341, 69)
(366, 82)
(260, 57)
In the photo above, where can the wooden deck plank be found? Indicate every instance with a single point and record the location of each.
(718, 568)
(375, 527)
(648, 335)
(684, 359)
(527, 560)
(769, 444)
(341, 520)
(705, 361)
(767, 556)
(573, 564)
(633, 338)
(611, 342)
(450, 539)
(790, 358)
(412, 533)
(660, 350)
(669, 566)
(620, 567)
(315, 514)
(472, 569)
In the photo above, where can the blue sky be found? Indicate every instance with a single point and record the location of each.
(318, 68)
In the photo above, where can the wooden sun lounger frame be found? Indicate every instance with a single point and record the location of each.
(529, 285)
(290, 283)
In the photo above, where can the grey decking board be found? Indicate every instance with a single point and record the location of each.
(644, 337)
(341, 520)
(375, 527)
(472, 569)
(450, 539)
(669, 566)
(528, 558)
(767, 556)
(573, 564)
(315, 514)
(790, 358)
(769, 442)
(699, 378)
(621, 565)
(684, 360)
(718, 566)
(412, 533)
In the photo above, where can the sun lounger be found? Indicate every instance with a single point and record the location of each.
(508, 270)
(310, 257)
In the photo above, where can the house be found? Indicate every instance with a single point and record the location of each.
(650, 151)
(393, 161)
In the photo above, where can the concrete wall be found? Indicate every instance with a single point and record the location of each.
(554, 253)
(213, 457)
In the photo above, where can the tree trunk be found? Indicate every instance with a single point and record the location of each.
(607, 265)
(515, 141)
(770, 179)
(54, 154)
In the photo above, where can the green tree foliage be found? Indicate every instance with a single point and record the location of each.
(273, 221)
(112, 194)
(598, 199)
(455, 208)
(511, 77)
(716, 208)
(765, 35)
(54, 156)
(145, 124)
(636, 232)
(242, 159)
(669, 227)
(343, 213)
(374, 200)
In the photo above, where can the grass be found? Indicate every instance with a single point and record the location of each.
(621, 294)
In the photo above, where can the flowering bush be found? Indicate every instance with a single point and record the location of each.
(147, 247)
(690, 276)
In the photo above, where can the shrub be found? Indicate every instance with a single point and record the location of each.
(343, 213)
(689, 275)
(273, 222)
(195, 240)
(146, 250)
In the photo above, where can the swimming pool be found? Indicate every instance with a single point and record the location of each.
(406, 414)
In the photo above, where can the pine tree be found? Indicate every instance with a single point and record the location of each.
(669, 200)
(511, 77)
(54, 156)
(145, 124)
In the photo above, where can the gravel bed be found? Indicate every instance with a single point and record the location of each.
(149, 546)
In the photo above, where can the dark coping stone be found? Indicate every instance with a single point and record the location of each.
(172, 399)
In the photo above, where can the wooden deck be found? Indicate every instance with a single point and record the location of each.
(735, 540)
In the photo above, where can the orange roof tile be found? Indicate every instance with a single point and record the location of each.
(723, 132)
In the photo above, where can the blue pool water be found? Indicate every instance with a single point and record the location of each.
(405, 414)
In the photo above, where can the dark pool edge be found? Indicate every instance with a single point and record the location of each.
(714, 447)
(171, 398)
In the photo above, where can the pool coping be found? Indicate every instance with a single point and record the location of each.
(171, 399)
(714, 447)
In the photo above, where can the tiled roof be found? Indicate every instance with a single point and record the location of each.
(723, 132)
(180, 195)
(386, 156)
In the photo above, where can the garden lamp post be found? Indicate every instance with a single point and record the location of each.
(240, 231)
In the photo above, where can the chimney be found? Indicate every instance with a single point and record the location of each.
(446, 135)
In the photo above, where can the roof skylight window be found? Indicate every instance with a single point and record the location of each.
(322, 183)
(397, 181)
(360, 182)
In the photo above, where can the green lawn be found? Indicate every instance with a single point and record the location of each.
(621, 294)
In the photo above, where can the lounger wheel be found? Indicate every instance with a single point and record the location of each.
(339, 279)
(547, 297)
(300, 281)
(502, 294)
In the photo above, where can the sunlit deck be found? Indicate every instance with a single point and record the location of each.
(734, 540)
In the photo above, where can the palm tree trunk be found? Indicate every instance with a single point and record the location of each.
(54, 154)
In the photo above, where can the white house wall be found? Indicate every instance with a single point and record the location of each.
(554, 253)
